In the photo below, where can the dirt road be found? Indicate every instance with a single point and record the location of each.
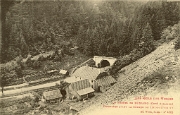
(25, 89)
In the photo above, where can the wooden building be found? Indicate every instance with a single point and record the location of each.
(80, 89)
(98, 77)
(104, 83)
(52, 96)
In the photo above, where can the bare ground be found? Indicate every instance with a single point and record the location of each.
(164, 60)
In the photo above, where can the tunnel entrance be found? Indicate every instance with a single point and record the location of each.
(104, 63)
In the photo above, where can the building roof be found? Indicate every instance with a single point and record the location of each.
(81, 84)
(72, 79)
(85, 91)
(76, 107)
(53, 94)
(106, 80)
(63, 71)
(86, 72)
(52, 71)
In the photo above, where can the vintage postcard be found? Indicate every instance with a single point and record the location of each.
(90, 57)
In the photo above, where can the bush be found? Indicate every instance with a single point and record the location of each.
(18, 71)
(57, 58)
(177, 44)
(29, 62)
(34, 102)
(51, 57)
(41, 58)
(36, 64)
(126, 60)
(91, 63)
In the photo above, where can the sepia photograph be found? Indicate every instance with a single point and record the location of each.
(90, 57)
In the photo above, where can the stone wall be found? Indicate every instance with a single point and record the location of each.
(99, 59)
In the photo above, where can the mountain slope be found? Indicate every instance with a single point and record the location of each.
(134, 73)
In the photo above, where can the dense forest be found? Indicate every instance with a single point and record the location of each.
(96, 28)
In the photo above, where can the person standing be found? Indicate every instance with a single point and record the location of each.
(2, 82)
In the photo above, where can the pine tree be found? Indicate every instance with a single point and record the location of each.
(171, 11)
(103, 49)
(5, 4)
(147, 39)
(88, 48)
(24, 46)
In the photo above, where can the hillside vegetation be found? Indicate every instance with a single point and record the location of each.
(102, 28)
(38, 36)
(157, 71)
(123, 29)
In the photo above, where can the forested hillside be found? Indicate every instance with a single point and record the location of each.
(97, 28)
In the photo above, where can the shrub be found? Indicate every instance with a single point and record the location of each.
(126, 60)
(18, 71)
(41, 58)
(91, 63)
(57, 58)
(36, 64)
(177, 44)
(29, 62)
(34, 102)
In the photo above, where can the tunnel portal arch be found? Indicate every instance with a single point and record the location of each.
(104, 63)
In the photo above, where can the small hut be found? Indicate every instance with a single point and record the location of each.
(64, 73)
(52, 96)
(105, 82)
(51, 72)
